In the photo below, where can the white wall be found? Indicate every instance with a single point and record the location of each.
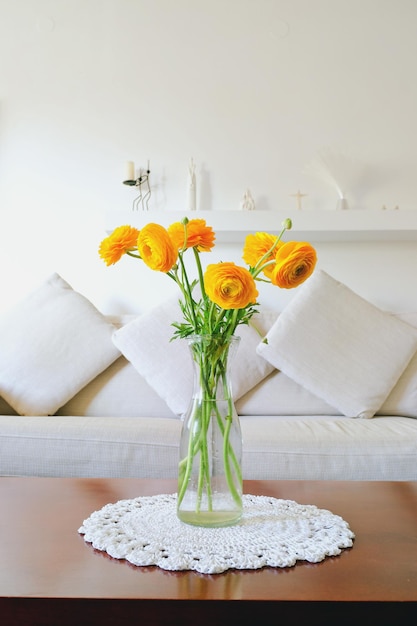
(254, 90)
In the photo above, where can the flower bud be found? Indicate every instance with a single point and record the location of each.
(287, 224)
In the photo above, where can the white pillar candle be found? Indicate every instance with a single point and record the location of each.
(130, 170)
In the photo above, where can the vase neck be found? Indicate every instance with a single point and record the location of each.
(212, 356)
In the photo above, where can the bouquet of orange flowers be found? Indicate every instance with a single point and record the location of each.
(227, 292)
(213, 304)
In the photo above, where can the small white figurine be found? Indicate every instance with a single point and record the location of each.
(248, 203)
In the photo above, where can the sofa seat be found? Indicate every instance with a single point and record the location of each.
(330, 448)
(275, 447)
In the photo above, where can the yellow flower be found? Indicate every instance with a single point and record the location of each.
(230, 286)
(257, 246)
(198, 235)
(295, 262)
(156, 248)
(113, 247)
(224, 286)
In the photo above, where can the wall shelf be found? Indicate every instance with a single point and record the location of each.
(314, 226)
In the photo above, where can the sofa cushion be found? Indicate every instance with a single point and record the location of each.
(5, 408)
(119, 391)
(403, 398)
(52, 344)
(279, 395)
(339, 346)
(167, 365)
(329, 448)
(136, 447)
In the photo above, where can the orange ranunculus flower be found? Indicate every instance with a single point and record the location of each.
(113, 247)
(257, 246)
(156, 248)
(230, 286)
(295, 262)
(197, 234)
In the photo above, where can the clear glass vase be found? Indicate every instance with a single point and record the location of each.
(210, 475)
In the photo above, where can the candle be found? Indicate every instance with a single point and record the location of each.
(130, 170)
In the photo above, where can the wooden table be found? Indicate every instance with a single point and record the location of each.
(50, 575)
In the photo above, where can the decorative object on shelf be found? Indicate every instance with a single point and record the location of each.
(248, 203)
(337, 170)
(141, 182)
(384, 208)
(342, 204)
(213, 304)
(191, 188)
(145, 531)
(299, 197)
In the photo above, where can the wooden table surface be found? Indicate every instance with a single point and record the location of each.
(50, 575)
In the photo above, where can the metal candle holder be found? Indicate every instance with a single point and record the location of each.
(142, 183)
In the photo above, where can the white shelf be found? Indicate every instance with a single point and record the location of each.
(314, 226)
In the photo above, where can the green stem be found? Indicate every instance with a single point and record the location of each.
(260, 266)
(200, 273)
(188, 296)
(211, 362)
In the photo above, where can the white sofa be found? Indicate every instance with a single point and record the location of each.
(117, 425)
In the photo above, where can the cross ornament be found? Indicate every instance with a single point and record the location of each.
(299, 197)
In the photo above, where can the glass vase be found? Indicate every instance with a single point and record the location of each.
(210, 475)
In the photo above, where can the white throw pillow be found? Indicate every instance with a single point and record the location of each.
(119, 391)
(53, 343)
(402, 400)
(280, 395)
(167, 365)
(339, 346)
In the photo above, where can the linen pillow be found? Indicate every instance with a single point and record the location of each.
(53, 343)
(403, 398)
(339, 346)
(167, 366)
(278, 394)
(119, 391)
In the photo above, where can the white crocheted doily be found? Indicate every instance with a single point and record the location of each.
(276, 533)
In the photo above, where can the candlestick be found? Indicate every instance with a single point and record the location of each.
(141, 182)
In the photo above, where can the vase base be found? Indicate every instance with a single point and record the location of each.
(210, 519)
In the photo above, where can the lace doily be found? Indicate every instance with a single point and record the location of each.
(276, 533)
